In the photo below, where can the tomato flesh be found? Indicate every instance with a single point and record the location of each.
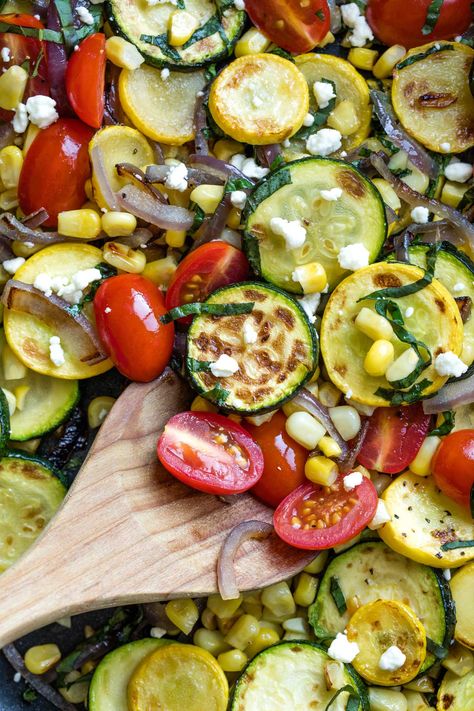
(453, 466)
(394, 437)
(291, 24)
(317, 517)
(85, 80)
(127, 311)
(284, 460)
(210, 453)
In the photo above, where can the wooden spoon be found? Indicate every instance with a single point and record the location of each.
(128, 532)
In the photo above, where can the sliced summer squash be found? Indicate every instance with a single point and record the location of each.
(456, 693)
(271, 370)
(30, 494)
(292, 192)
(431, 96)
(462, 588)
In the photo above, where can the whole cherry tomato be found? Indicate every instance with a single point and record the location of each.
(291, 24)
(453, 465)
(127, 312)
(85, 80)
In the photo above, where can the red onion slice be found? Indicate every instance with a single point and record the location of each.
(452, 395)
(213, 227)
(226, 579)
(36, 219)
(346, 464)
(147, 207)
(138, 177)
(317, 409)
(100, 174)
(200, 124)
(13, 229)
(266, 155)
(216, 167)
(196, 176)
(7, 135)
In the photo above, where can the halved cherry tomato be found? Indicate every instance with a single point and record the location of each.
(55, 169)
(329, 524)
(394, 437)
(291, 24)
(204, 270)
(127, 312)
(391, 23)
(453, 465)
(85, 80)
(210, 453)
(284, 460)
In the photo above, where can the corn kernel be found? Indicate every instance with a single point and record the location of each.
(305, 590)
(118, 224)
(253, 608)
(386, 63)
(20, 250)
(11, 162)
(175, 238)
(386, 700)
(200, 404)
(363, 58)
(403, 366)
(182, 613)
(233, 221)
(122, 257)
(30, 135)
(252, 42)
(344, 118)
(12, 87)
(160, 271)
(75, 693)
(223, 609)
(208, 619)
(207, 197)
(329, 447)
(452, 193)
(312, 277)
(321, 470)
(82, 224)
(232, 661)
(327, 39)
(30, 446)
(13, 368)
(329, 394)
(265, 638)
(379, 356)
(225, 625)
(460, 660)
(98, 410)
(346, 420)
(416, 180)
(122, 53)
(278, 599)
(304, 429)
(40, 659)
(211, 640)
(421, 465)
(225, 148)
(9, 199)
(20, 393)
(318, 564)
(181, 26)
(88, 189)
(421, 684)
(242, 632)
(88, 667)
(373, 325)
(389, 196)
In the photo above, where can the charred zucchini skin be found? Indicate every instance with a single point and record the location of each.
(24, 456)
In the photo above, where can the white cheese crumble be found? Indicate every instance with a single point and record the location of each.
(238, 198)
(331, 195)
(239, 4)
(69, 289)
(157, 632)
(409, 312)
(447, 574)
(41, 110)
(84, 15)
(286, 143)
(361, 31)
(152, 3)
(445, 147)
(224, 366)
(459, 286)
(107, 310)
(420, 214)
(308, 120)
(350, 12)
(237, 160)
(17, 677)
(352, 480)
(310, 303)
(353, 257)
(459, 172)
(252, 170)
(292, 231)
(323, 93)
(177, 178)
(342, 650)
(324, 142)
(449, 364)
(56, 353)
(392, 659)
(12, 265)
(249, 334)
(5, 54)
(381, 516)
(20, 120)
(165, 74)
(42, 282)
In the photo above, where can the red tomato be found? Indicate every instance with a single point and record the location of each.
(291, 24)
(289, 519)
(204, 270)
(284, 460)
(85, 80)
(394, 437)
(394, 23)
(210, 453)
(55, 169)
(127, 312)
(453, 465)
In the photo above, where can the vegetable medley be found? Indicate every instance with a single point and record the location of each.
(275, 198)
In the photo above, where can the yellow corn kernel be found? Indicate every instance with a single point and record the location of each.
(305, 590)
(12, 87)
(278, 599)
(225, 625)
(20, 392)
(82, 224)
(11, 162)
(297, 626)
(88, 189)
(386, 63)
(181, 26)
(232, 661)
(258, 420)
(13, 368)
(118, 224)
(98, 410)
(200, 404)
(30, 446)
(421, 465)
(373, 325)
(19, 249)
(122, 53)
(389, 196)
(321, 470)
(304, 429)
(314, 378)
(415, 702)
(460, 660)
(363, 58)
(344, 118)
(182, 613)
(223, 609)
(75, 693)
(318, 564)
(122, 257)
(208, 619)
(379, 356)
(242, 632)
(225, 148)
(233, 221)
(329, 447)
(265, 638)
(211, 640)
(327, 39)
(346, 420)
(253, 608)
(30, 135)
(403, 366)
(9, 199)
(42, 658)
(289, 408)
(160, 271)
(252, 42)
(452, 193)
(312, 277)
(175, 238)
(381, 699)
(416, 180)
(11, 400)
(88, 667)
(423, 684)
(207, 197)
(329, 394)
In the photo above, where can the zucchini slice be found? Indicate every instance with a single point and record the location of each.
(456, 693)
(292, 192)
(291, 675)
(462, 588)
(272, 369)
(370, 571)
(30, 494)
(431, 95)
(426, 525)
(146, 25)
(436, 322)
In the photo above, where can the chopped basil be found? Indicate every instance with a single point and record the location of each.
(277, 162)
(210, 73)
(267, 187)
(436, 649)
(36, 33)
(451, 545)
(199, 216)
(404, 397)
(218, 395)
(281, 53)
(432, 16)
(445, 427)
(237, 184)
(209, 28)
(86, 30)
(402, 172)
(422, 55)
(467, 199)
(320, 15)
(353, 702)
(161, 41)
(66, 18)
(29, 695)
(106, 272)
(197, 366)
(199, 308)
(337, 595)
(181, 5)
(320, 116)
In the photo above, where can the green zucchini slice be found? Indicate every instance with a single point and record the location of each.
(146, 25)
(293, 193)
(456, 693)
(272, 369)
(372, 570)
(292, 675)
(30, 494)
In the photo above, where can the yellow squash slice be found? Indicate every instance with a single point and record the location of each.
(462, 589)
(456, 693)
(432, 98)
(162, 108)
(435, 321)
(259, 99)
(380, 625)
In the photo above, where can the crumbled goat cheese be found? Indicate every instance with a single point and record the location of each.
(323, 93)
(310, 303)
(239, 4)
(56, 353)
(447, 574)
(29, 245)
(354, 256)
(292, 232)
(392, 659)
(152, 3)
(381, 516)
(165, 74)
(324, 142)
(12, 265)
(17, 677)
(5, 54)
(20, 119)
(157, 632)
(177, 178)
(331, 195)
(238, 199)
(69, 289)
(84, 15)
(42, 282)
(342, 650)
(348, 394)
(249, 334)
(237, 160)
(459, 172)
(420, 214)
(459, 286)
(409, 312)
(286, 143)
(224, 366)
(308, 120)
(445, 147)
(352, 480)
(84, 277)
(449, 364)
(252, 170)
(350, 12)
(107, 310)
(361, 33)
(41, 110)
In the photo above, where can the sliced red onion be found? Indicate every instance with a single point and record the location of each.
(399, 137)
(196, 176)
(390, 215)
(7, 135)
(213, 227)
(226, 579)
(346, 464)
(13, 229)
(157, 151)
(73, 328)
(113, 112)
(216, 167)
(140, 237)
(138, 176)
(452, 395)
(311, 403)
(5, 249)
(57, 64)
(200, 124)
(36, 219)
(100, 174)
(401, 243)
(266, 155)
(147, 207)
